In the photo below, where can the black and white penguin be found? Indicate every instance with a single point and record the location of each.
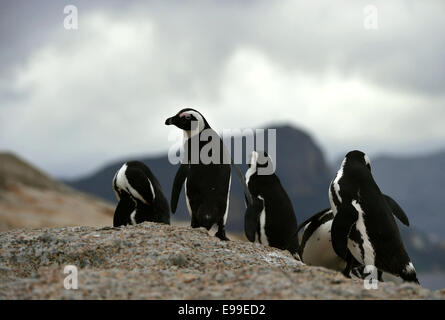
(271, 220)
(363, 227)
(316, 244)
(140, 196)
(207, 183)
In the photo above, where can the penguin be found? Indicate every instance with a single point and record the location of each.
(363, 227)
(207, 183)
(271, 219)
(316, 244)
(140, 196)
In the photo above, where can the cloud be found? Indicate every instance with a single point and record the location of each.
(96, 96)
(84, 97)
(343, 112)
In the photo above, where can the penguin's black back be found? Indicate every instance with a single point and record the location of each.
(161, 208)
(382, 229)
(281, 222)
(141, 179)
(137, 165)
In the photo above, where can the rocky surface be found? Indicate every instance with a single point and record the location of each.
(153, 261)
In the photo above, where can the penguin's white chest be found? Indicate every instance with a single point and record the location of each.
(318, 250)
(187, 201)
(262, 233)
(363, 250)
(227, 201)
(133, 217)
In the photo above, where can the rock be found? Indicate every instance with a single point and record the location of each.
(148, 261)
(178, 260)
(219, 277)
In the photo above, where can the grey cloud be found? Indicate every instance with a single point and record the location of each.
(92, 98)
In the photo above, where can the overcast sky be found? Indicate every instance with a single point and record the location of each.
(73, 100)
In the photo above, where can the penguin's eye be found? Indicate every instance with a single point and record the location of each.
(188, 117)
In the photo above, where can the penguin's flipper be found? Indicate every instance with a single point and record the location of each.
(123, 211)
(341, 226)
(397, 210)
(251, 218)
(247, 194)
(180, 177)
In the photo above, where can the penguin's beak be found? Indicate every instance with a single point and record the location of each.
(169, 121)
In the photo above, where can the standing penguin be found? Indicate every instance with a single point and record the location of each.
(207, 181)
(271, 218)
(316, 243)
(364, 227)
(140, 196)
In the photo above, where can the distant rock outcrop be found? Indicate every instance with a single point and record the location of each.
(30, 198)
(154, 261)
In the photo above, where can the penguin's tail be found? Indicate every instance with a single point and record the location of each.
(410, 278)
(207, 214)
(409, 274)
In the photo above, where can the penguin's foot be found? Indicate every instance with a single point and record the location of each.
(349, 265)
(357, 272)
(297, 256)
(194, 223)
(347, 275)
(222, 235)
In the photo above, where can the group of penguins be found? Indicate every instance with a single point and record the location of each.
(358, 230)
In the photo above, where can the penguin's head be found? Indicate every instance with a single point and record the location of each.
(359, 157)
(259, 159)
(188, 119)
(261, 163)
